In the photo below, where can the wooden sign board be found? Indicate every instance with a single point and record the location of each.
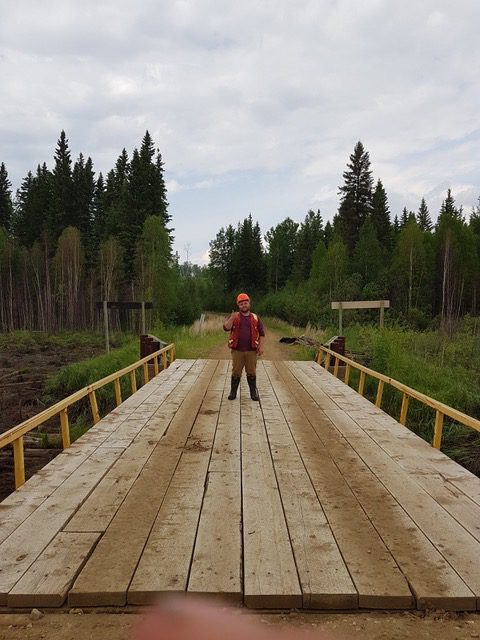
(359, 304)
(362, 304)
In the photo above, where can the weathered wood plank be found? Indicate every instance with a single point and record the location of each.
(105, 578)
(431, 578)
(270, 574)
(460, 549)
(25, 500)
(165, 562)
(97, 512)
(324, 577)
(47, 581)
(216, 568)
(25, 544)
(374, 571)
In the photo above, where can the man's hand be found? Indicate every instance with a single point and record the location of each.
(260, 351)
(228, 324)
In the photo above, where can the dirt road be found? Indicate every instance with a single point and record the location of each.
(344, 626)
(274, 350)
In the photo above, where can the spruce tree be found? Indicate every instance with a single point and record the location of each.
(423, 217)
(356, 196)
(381, 216)
(281, 242)
(61, 211)
(83, 190)
(448, 207)
(309, 234)
(6, 205)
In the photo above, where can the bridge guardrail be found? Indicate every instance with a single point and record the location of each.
(441, 409)
(15, 435)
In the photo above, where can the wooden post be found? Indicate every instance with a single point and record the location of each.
(437, 434)
(404, 409)
(133, 381)
(382, 306)
(378, 400)
(105, 321)
(143, 318)
(65, 427)
(335, 368)
(94, 406)
(155, 365)
(145, 373)
(347, 373)
(164, 359)
(19, 462)
(327, 361)
(361, 383)
(340, 318)
(118, 391)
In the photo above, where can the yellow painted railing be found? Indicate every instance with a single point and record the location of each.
(15, 435)
(327, 356)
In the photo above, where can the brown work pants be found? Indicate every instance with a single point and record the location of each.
(247, 359)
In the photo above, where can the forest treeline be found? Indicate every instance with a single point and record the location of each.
(430, 272)
(69, 239)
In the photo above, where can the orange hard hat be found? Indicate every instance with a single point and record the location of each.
(242, 297)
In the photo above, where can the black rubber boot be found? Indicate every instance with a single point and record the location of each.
(234, 388)
(252, 383)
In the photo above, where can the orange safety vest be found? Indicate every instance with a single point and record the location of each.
(235, 332)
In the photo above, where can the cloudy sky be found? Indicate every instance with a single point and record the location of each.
(255, 105)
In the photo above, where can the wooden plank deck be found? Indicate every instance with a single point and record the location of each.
(312, 498)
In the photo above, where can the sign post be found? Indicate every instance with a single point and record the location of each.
(106, 305)
(360, 304)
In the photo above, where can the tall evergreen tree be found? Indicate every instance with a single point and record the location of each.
(448, 207)
(309, 234)
(381, 216)
(6, 205)
(281, 242)
(423, 217)
(61, 210)
(83, 192)
(356, 196)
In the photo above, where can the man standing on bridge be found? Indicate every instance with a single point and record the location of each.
(246, 342)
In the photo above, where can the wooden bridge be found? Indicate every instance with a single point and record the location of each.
(313, 498)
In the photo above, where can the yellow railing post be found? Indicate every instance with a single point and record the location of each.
(65, 428)
(164, 360)
(347, 374)
(378, 400)
(145, 373)
(404, 409)
(335, 368)
(133, 381)
(19, 462)
(155, 365)
(118, 391)
(94, 406)
(361, 383)
(437, 434)
(174, 353)
(327, 362)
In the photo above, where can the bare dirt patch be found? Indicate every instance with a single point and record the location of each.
(341, 626)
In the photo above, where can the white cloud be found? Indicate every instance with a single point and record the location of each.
(240, 95)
